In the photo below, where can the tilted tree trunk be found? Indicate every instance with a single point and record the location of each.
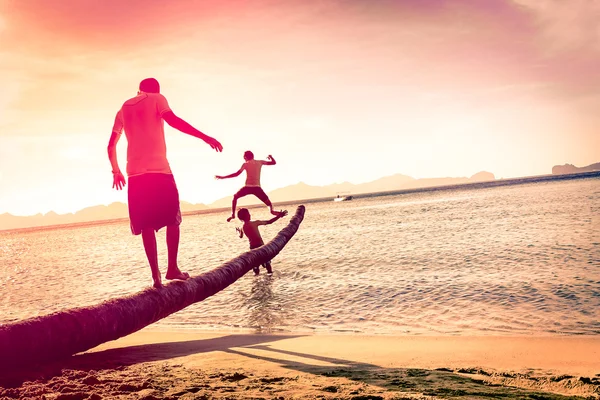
(72, 331)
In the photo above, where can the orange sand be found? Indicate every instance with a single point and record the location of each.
(158, 365)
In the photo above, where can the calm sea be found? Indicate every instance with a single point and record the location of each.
(513, 260)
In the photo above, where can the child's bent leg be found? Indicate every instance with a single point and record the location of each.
(262, 196)
(233, 205)
(173, 271)
(267, 265)
(256, 270)
(270, 205)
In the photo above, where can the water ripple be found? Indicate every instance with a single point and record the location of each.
(521, 259)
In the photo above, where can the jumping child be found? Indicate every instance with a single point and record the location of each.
(252, 186)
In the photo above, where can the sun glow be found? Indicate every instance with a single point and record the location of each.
(75, 153)
(334, 93)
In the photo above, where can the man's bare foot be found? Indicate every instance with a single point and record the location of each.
(157, 283)
(177, 274)
(230, 218)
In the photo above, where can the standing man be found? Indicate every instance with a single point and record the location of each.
(152, 195)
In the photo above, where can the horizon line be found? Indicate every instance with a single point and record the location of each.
(297, 183)
(214, 210)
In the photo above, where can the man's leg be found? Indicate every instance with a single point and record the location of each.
(173, 271)
(149, 239)
(137, 195)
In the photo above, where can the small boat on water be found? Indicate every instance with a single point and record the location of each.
(342, 198)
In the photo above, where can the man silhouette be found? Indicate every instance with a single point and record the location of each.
(153, 198)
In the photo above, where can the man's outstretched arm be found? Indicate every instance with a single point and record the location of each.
(182, 126)
(118, 178)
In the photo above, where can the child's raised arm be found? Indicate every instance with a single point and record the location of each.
(237, 173)
(269, 222)
(271, 160)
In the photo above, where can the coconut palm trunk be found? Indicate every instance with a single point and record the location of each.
(72, 331)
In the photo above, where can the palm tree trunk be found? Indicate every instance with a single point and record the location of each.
(72, 331)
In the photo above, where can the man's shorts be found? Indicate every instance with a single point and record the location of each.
(153, 202)
(255, 190)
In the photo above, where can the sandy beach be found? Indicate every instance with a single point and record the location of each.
(168, 365)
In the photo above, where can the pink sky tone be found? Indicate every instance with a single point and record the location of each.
(335, 90)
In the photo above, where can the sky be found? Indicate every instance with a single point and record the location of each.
(335, 90)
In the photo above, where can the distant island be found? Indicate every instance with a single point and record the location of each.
(299, 191)
(571, 169)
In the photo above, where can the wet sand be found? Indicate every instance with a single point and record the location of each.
(170, 365)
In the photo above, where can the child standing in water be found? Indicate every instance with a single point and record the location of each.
(250, 228)
(252, 186)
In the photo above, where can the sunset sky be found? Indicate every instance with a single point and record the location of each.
(335, 90)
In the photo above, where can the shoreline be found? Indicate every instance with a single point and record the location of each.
(172, 364)
(175, 328)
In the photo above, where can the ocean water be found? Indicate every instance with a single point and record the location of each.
(522, 259)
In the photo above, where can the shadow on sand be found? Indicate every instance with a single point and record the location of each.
(137, 371)
(126, 356)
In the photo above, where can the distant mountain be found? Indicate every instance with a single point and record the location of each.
(571, 169)
(96, 213)
(185, 206)
(299, 191)
(302, 191)
(482, 176)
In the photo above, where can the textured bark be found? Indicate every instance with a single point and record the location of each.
(72, 331)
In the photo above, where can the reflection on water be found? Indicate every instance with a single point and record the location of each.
(265, 308)
(508, 260)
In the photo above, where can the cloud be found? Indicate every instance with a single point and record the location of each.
(566, 26)
(428, 44)
(61, 27)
